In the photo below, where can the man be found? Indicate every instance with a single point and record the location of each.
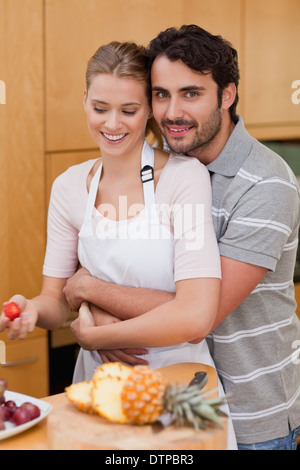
(256, 214)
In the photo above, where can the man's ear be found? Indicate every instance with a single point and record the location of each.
(229, 94)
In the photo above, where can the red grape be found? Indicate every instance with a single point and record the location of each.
(33, 410)
(20, 416)
(10, 407)
(9, 411)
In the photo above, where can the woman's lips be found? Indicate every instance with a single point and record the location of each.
(113, 138)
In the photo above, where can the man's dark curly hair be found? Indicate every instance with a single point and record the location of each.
(202, 52)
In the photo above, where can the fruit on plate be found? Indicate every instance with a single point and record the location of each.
(139, 395)
(11, 310)
(10, 411)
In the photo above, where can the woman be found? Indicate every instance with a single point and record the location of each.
(131, 224)
(134, 227)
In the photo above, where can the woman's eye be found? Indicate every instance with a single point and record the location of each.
(99, 110)
(129, 112)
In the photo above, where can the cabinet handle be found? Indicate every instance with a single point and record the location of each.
(20, 363)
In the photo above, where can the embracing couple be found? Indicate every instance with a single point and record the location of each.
(227, 301)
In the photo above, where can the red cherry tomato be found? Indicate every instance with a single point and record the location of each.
(12, 311)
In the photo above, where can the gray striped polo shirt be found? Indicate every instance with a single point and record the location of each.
(256, 349)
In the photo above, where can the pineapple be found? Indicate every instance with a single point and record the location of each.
(139, 395)
(80, 395)
(108, 382)
(142, 395)
(146, 395)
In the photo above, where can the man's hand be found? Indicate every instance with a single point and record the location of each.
(128, 356)
(74, 288)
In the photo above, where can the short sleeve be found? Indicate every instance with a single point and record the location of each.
(62, 236)
(262, 224)
(186, 187)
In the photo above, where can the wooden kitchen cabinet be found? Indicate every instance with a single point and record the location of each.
(26, 368)
(271, 56)
(57, 163)
(22, 183)
(70, 42)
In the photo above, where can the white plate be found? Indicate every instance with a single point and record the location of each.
(10, 428)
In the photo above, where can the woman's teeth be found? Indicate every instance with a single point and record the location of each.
(114, 137)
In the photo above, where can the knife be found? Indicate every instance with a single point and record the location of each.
(200, 378)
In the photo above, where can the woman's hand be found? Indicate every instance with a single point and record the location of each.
(81, 327)
(126, 356)
(25, 323)
(91, 316)
(101, 317)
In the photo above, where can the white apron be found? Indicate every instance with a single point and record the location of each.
(137, 252)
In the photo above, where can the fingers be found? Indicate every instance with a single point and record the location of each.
(85, 314)
(125, 356)
(4, 322)
(24, 324)
(20, 327)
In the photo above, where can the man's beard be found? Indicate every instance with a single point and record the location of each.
(202, 138)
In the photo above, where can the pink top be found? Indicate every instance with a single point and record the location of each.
(184, 187)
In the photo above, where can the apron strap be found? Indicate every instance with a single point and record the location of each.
(147, 176)
(147, 162)
(92, 195)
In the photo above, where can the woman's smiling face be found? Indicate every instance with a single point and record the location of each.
(117, 110)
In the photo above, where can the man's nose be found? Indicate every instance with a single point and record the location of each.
(174, 110)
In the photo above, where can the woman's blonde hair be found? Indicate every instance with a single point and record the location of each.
(124, 60)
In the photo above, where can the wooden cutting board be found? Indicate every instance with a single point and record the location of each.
(71, 429)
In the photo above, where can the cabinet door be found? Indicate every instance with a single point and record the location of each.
(57, 163)
(26, 368)
(22, 228)
(76, 28)
(272, 38)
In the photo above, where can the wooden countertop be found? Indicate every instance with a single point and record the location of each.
(36, 438)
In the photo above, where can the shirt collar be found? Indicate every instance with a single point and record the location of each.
(234, 153)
